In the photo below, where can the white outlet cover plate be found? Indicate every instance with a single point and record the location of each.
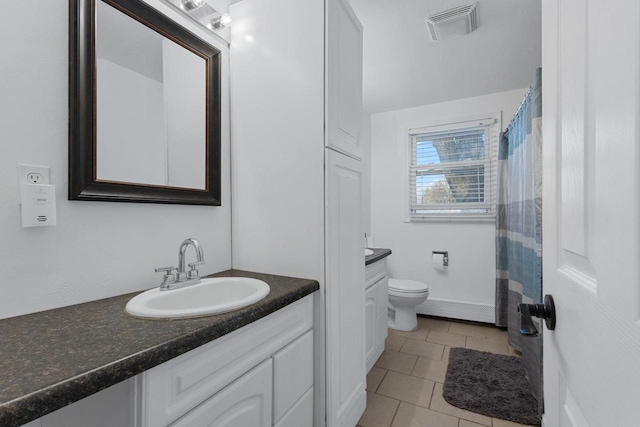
(24, 170)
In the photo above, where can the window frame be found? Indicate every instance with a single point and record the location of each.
(493, 124)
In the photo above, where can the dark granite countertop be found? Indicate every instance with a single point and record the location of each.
(378, 254)
(53, 358)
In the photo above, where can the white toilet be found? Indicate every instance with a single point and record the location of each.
(404, 296)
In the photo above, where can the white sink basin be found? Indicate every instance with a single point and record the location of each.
(368, 252)
(210, 296)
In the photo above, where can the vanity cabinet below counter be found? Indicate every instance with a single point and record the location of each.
(376, 304)
(251, 377)
(93, 364)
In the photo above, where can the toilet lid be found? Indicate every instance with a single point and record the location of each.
(408, 286)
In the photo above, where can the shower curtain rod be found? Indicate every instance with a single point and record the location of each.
(519, 108)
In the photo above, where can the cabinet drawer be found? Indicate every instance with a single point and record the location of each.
(246, 402)
(374, 272)
(171, 389)
(382, 300)
(301, 415)
(292, 374)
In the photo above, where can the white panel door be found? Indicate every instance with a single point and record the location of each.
(591, 158)
(345, 351)
(344, 79)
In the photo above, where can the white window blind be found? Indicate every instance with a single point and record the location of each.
(452, 170)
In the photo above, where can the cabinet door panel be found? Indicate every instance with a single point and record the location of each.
(370, 323)
(344, 79)
(382, 300)
(292, 374)
(244, 403)
(301, 414)
(345, 291)
(381, 333)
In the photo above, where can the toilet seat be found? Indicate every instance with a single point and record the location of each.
(412, 294)
(405, 286)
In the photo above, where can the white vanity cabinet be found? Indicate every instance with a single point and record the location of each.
(376, 309)
(258, 376)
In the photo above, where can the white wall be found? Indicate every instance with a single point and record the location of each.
(278, 179)
(366, 172)
(470, 276)
(277, 83)
(98, 249)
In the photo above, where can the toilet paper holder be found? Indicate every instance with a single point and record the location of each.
(445, 256)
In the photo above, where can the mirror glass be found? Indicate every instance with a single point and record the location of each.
(151, 105)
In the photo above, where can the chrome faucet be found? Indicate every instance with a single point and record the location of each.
(182, 278)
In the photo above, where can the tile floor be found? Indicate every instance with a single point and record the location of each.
(404, 388)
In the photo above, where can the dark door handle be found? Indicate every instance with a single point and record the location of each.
(546, 311)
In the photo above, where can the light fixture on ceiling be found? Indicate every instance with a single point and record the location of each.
(190, 5)
(201, 12)
(221, 21)
(452, 23)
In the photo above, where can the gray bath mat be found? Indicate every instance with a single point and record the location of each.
(490, 384)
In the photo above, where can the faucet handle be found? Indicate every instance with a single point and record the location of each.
(168, 277)
(193, 273)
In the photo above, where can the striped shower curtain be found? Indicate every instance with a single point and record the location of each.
(519, 229)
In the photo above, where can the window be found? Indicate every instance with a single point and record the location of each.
(452, 170)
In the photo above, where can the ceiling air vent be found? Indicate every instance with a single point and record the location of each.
(451, 23)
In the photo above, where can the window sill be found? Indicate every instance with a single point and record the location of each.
(451, 218)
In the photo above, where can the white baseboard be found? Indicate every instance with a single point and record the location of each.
(458, 310)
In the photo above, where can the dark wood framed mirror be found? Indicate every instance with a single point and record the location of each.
(144, 107)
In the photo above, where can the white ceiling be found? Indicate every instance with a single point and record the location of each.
(403, 68)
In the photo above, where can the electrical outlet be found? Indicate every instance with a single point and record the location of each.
(34, 178)
(33, 174)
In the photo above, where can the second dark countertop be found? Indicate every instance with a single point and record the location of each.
(53, 358)
(378, 254)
